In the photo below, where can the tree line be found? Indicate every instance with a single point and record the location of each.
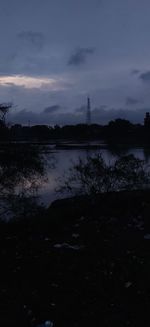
(119, 128)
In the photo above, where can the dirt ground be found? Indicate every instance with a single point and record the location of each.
(82, 262)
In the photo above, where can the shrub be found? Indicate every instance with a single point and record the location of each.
(93, 175)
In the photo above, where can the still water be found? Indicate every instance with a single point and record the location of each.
(59, 162)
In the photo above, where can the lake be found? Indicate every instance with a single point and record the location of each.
(62, 159)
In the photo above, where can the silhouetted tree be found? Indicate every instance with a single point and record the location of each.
(93, 175)
(4, 109)
(22, 170)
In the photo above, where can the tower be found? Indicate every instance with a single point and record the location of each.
(88, 113)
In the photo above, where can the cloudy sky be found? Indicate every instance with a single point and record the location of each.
(56, 52)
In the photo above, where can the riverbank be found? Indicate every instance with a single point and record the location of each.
(80, 261)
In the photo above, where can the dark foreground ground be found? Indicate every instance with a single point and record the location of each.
(83, 262)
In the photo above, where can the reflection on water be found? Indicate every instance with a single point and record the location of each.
(65, 158)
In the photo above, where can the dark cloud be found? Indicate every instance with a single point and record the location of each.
(83, 109)
(51, 109)
(132, 101)
(103, 116)
(10, 84)
(24, 116)
(145, 77)
(34, 39)
(135, 71)
(80, 56)
(99, 115)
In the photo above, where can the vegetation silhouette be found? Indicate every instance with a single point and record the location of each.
(117, 131)
(94, 175)
(22, 170)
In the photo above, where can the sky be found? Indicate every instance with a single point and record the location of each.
(55, 53)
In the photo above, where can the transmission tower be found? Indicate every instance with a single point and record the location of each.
(88, 113)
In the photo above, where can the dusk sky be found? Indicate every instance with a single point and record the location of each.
(56, 52)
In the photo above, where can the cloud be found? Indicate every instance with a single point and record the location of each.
(132, 101)
(51, 109)
(24, 116)
(80, 56)
(135, 71)
(81, 110)
(101, 115)
(33, 39)
(145, 77)
(31, 82)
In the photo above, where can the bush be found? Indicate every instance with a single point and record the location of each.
(93, 175)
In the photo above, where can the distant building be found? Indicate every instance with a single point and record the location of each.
(147, 119)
